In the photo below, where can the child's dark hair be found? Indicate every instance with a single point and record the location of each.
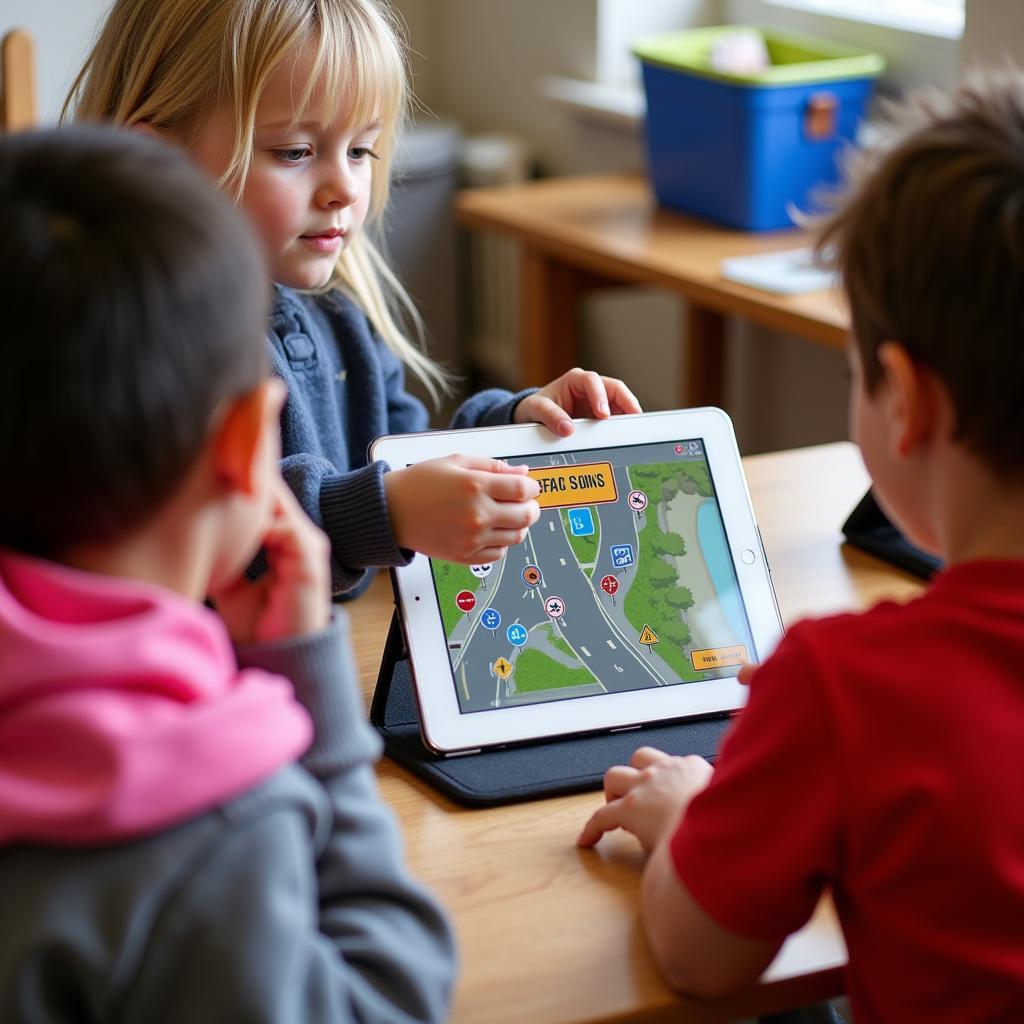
(134, 300)
(929, 241)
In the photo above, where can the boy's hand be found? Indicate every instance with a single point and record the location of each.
(746, 672)
(647, 797)
(576, 393)
(293, 597)
(461, 508)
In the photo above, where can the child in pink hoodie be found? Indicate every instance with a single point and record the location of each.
(189, 829)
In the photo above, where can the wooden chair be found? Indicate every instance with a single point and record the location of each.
(17, 81)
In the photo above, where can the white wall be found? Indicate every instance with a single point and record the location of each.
(424, 34)
(485, 58)
(63, 32)
(993, 34)
(626, 19)
(482, 61)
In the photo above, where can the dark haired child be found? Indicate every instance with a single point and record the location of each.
(188, 831)
(880, 755)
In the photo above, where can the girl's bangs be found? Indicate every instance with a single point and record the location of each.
(361, 65)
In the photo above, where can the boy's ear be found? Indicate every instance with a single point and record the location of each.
(248, 429)
(911, 398)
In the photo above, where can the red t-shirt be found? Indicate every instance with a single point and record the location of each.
(883, 755)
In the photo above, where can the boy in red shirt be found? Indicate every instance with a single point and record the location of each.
(882, 755)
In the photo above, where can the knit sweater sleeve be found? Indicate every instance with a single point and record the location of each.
(351, 508)
(298, 915)
(493, 407)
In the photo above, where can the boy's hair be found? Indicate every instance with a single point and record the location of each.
(132, 296)
(170, 62)
(929, 241)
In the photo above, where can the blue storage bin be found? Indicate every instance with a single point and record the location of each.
(743, 150)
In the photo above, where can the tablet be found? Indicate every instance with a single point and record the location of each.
(634, 599)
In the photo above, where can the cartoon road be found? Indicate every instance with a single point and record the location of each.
(546, 623)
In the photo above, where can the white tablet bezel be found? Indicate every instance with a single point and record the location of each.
(445, 728)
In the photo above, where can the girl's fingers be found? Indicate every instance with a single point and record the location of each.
(502, 539)
(622, 399)
(487, 555)
(486, 465)
(551, 415)
(503, 516)
(590, 385)
(511, 487)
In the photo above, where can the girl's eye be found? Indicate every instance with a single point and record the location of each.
(292, 155)
(360, 153)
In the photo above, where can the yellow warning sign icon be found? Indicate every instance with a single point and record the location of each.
(648, 636)
(503, 667)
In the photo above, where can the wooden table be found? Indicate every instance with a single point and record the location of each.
(549, 933)
(583, 233)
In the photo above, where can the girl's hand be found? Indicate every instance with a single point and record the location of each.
(576, 393)
(461, 508)
(647, 797)
(293, 597)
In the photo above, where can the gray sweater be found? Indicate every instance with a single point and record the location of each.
(346, 388)
(290, 904)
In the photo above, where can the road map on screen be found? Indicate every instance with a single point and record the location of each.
(625, 582)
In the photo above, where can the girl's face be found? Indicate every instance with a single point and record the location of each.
(308, 189)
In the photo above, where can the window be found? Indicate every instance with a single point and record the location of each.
(932, 17)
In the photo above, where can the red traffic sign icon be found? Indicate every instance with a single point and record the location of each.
(637, 501)
(555, 607)
(609, 584)
(466, 600)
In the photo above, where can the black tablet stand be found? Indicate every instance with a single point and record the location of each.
(869, 529)
(525, 771)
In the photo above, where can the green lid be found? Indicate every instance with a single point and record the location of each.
(795, 59)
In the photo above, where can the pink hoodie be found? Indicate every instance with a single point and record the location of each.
(122, 708)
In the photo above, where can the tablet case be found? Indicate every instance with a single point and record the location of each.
(869, 529)
(524, 771)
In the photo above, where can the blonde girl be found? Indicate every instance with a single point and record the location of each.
(294, 107)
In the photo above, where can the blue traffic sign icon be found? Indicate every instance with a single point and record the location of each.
(622, 555)
(517, 634)
(490, 618)
(581, 522)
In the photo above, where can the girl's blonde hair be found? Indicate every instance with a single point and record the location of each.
(171, 63)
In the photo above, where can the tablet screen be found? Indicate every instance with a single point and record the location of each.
(626, 582)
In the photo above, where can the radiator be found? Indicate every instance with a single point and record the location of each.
(493, 264)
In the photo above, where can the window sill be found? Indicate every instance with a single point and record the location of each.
(606, 104)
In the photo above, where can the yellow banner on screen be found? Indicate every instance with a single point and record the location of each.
(564, 486)
(719, 657)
